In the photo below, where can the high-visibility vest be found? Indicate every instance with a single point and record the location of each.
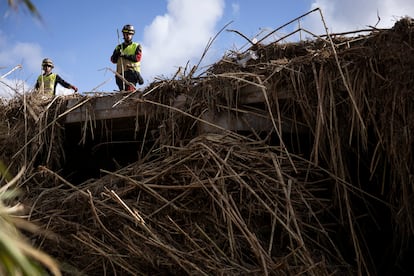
(126, 63)
(47, 84)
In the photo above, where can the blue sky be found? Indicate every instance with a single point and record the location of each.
(79, 36)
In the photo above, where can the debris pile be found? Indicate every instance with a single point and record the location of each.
(235, 203)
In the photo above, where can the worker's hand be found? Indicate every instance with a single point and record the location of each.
(74, 88)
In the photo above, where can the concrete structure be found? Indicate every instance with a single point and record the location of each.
(133, 105)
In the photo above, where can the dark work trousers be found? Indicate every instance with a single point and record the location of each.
(133, 77)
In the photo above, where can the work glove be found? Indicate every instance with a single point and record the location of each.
(74, 88)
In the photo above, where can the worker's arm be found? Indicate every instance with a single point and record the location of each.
(116, 54)
(65, 83)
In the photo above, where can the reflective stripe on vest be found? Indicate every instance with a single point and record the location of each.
(126, 63)
(47, 83)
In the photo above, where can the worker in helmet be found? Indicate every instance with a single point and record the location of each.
(127, 57)
(47, 82)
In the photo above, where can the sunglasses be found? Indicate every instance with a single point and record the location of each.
(47, 65)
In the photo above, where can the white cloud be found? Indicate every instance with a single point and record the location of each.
(60, 90)
(235, 7)
(354, 15)
(8, 87)
(25, 54)
(30, 56)
(179, 36)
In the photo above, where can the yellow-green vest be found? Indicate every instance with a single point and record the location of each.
(47, 84)
(126, 63)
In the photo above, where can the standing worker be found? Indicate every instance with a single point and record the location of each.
(127, 57)
(47, 82)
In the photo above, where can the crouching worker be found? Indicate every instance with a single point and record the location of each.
(127, 57)
(47, 82)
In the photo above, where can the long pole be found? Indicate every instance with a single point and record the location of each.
(122, 61)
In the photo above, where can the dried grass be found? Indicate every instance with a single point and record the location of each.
(230, 204)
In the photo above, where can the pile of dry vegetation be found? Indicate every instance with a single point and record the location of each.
(235, 204)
